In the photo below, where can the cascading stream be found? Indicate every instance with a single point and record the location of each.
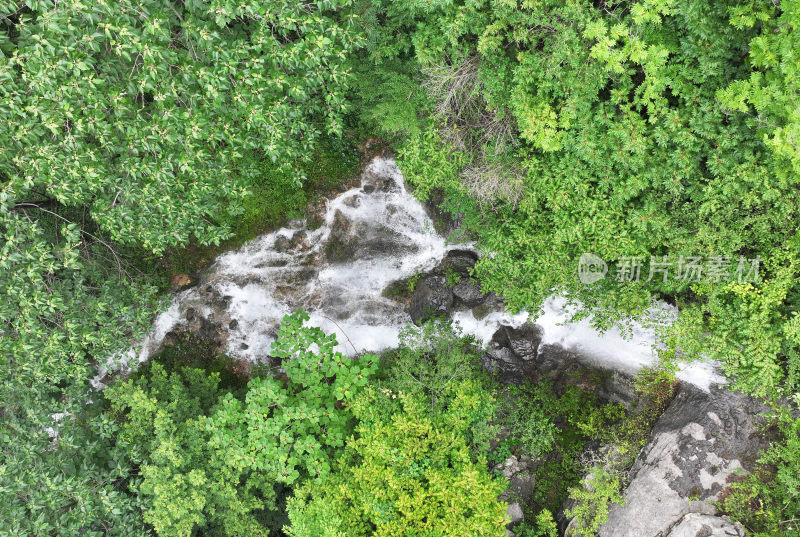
(372, 235)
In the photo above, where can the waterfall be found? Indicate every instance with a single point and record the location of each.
(371, 236)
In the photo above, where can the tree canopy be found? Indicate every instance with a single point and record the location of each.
(658, 139)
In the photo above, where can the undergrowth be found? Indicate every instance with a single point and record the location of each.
(767, 501)
(275, 198)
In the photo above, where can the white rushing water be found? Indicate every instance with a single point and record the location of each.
(372, 235)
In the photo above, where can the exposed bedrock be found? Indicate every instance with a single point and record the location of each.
(697, 447)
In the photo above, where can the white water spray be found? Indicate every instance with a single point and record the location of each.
(372, 235)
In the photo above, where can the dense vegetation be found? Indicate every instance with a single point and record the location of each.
(137, 137)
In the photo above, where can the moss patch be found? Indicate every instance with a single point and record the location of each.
(275, 199)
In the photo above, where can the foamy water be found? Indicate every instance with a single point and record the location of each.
(249, 290)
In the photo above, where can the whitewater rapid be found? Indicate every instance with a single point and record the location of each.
(371, 236)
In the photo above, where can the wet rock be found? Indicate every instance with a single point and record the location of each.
(460, 261)
(523, 341)
(299, 240)
(502, 363)
(381, 242)
(315, 213)
(341, 246)
(337, 251)
(375, 181)
(273, 263)
(468, 293)
(445, 223)
(179, 282)
(431, 297)
(341, 224)
(697, 446)
(491, 303)
(212, 333)
(512, 352)
(282, 243)
(352, 201)
(514, 514)
(617, 387)
(567, 367)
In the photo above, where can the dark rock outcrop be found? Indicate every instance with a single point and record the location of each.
(460, 261)
(431, 297)
(561, 366)
(340, 246)
(468, 293)
(512, 352)
(372, 181)
(696, 448)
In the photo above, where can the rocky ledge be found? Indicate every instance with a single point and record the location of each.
(697, 448)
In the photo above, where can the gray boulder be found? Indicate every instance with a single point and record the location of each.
(460, 261)
(700, 525)
(431, 297)
(696, 448)
(468, 293)
(512, 352)
(514, 514)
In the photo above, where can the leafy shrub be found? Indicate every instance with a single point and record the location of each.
(663, 141)
(405, 472)
(594, 496)
(210, 460)
(555, 429)
(543, 526)
(441, 366)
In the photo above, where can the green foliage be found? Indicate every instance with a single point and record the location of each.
(555, 428)
(59, 312)
(429, 163)
(623, 129)
(199, 94)
(767, 501)
(388, 98)
(452, 277)
(412, 282)
(770, 91)
(285, 432)
(416, 464)
(275, 196)
(442, 367)
(530, 422)
(129, 128)
(595, 495)
(209, 460)
(74, 483)
(404, 473)
(182, 481)
(543, 526)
